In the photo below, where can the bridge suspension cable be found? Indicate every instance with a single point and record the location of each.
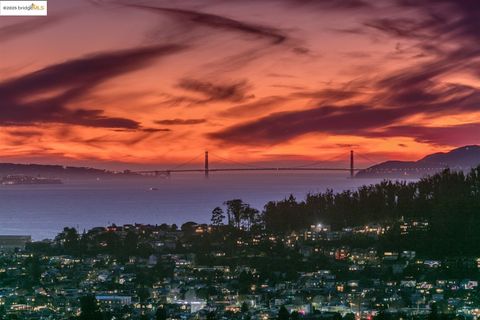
(234, 162)
(186, 162)
(338, 156)
(365, 157)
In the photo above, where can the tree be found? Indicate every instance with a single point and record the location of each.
(161, 314)
(245, 281)
(381, 315)
(244, 308)
(189, 227)
(337, 316)
(295, 315)
(234, 211)
(69, 239)
(217, 216)
(240, 214)
(143, 295)
(283, 314)
(433, 311)
(33, 266)
(89, 308)
(211, 316)
(249, 215)
(130, 243)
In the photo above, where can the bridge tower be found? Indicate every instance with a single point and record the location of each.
(206, 164)
(352, 165)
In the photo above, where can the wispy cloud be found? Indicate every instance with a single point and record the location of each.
(255, 108)
(448, 135)
(180, 122)
(419, 89)
(219, 22)
(235, 92)
(29, 26)
(68, 81)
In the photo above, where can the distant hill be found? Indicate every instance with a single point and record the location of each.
(57, 171)
(462, 158)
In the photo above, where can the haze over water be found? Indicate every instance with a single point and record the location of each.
(44, 210)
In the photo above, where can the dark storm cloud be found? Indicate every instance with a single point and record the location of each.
(220, 22)
(70, 81)
(235, 92)
(180, 122)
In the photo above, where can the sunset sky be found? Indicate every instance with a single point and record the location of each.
(141, 83)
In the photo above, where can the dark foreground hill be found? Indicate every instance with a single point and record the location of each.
(463, 158)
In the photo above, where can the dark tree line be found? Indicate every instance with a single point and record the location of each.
(441, 196)
(449, 200)
(239, 215)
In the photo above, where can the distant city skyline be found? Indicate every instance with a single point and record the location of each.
(134, 84)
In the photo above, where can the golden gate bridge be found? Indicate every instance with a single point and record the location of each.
(207, 169)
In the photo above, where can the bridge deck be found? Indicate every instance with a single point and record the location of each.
(245, 169)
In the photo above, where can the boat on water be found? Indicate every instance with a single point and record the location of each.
(22, 179)
(153, 189)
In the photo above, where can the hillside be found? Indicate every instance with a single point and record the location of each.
(462, 158)
(57, 171)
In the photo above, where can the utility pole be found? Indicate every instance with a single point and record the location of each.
(206, 164)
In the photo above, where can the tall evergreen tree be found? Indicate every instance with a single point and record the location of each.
(217, 216)
(283, 314)
(89, 308)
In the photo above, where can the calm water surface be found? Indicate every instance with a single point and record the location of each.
(43, 210)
